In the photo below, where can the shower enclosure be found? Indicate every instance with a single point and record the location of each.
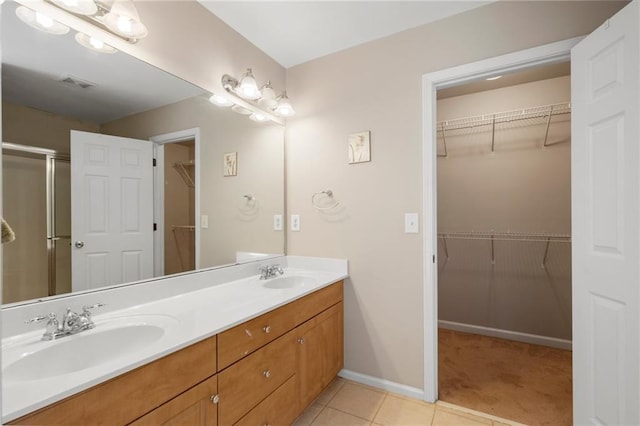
(37, 205)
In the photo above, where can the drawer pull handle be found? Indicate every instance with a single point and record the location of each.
(266, 373)
(266, 329)
(301, 340)
(215, 399)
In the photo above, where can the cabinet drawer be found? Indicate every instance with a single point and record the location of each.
(279, 408)
(245, 338)
(243, 385)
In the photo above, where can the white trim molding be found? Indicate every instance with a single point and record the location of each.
(517, 61)
(383, 384)
(159, 141)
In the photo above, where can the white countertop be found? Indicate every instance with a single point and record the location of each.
(191, 317)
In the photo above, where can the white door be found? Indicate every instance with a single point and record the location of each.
(111, 210)
(605, 222)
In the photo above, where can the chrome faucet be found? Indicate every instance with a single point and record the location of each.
(72, 322)
(270, 271)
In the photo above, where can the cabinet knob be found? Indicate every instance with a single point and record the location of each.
(266, 373)
(266, 329)
(301, 340)
(215, 399)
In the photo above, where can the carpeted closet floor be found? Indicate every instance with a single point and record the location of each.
(527, 383)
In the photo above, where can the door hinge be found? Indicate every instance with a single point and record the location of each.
(154, 163)
(155, 226)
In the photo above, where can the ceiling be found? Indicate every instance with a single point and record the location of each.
(293, 32)
(35, 63)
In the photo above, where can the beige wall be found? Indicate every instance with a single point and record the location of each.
(377, 87)
(233, 225)
(520, 187)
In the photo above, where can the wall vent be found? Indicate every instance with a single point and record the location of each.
(77, 82)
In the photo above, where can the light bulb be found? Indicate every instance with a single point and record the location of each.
(124, 24)
(98, 44)
(44, 20)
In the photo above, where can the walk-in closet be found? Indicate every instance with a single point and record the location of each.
(504, 245)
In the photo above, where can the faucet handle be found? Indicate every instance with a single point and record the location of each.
(51, 316)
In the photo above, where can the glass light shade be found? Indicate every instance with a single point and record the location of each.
(241, 110)
(284, 108)
(220, 101)
(256, 116)
(247, 86)
(94, 43)
(123, 19)
(268, 98)
(82, 7)
(40, 21)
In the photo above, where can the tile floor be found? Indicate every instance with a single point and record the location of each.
(348, 403)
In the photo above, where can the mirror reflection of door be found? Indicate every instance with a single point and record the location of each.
(179, 207)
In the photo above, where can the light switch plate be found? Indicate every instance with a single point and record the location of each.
(277, 222)
(295, 222)
(411, 223)
(204, 221)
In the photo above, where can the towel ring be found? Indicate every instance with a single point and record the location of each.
(328, 193)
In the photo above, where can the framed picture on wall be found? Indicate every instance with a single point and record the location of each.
(230, 164)
(359, 147)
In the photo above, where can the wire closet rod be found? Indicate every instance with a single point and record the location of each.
(539, 112)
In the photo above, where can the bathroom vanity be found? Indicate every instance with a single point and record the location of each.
(281, 345)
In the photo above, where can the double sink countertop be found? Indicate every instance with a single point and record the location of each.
(36, 373)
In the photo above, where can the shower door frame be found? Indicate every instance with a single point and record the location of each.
(50, 157)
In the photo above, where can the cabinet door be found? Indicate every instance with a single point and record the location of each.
(320, 353)
(278, 409)
(195, 407)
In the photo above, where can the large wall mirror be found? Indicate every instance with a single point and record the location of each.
(80, 130)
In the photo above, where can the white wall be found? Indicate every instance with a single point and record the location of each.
(377, 87)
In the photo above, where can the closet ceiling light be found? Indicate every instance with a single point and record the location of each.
(40, 21)
(81, 7)
(94, 43)
(494, 78)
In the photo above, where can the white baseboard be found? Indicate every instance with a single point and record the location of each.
(506, 334)
(386, 385)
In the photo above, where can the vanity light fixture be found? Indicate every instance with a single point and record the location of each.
(94, 43)
(123, 19)
(220, 101)
(40, 21)
(247, 88)
(81, 7)
(256, 116)
(284, 108)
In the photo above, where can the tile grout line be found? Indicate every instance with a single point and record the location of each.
(386, 394)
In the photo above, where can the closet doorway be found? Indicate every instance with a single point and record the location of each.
(504, 245)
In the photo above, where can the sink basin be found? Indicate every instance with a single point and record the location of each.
(293, 281)
(110, 340)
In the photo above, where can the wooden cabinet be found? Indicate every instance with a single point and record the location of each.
(320, 350)
(247, 382)
(278, 409)
(264, 371)
(123, 399)
(195, 407)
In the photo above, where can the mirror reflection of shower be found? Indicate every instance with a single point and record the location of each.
(37, 204)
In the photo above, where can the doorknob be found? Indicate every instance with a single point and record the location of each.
(79, 244)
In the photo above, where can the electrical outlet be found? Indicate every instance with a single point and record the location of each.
(295, 222)
(204, 221)
(411, 223)
(277, 222)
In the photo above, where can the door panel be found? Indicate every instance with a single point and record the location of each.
(606, 184)
(112, 210)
